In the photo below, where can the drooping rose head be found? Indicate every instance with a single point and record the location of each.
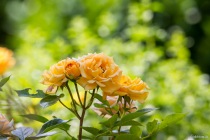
(59, 73)
(6, 59)
(136, 89)
(5, 126)
(99, 70)
(113, 101)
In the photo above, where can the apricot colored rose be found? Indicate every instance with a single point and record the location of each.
(113, 102)
(136, 89)
(6, 60)
(72, 69)
(60, 72)
(99, 70)
(5, 126)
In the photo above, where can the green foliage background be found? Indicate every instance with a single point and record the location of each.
(44, 32)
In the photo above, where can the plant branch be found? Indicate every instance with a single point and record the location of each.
(76, 87)
(82, 117)
(69, 109)
(91, 99)
(73, 101)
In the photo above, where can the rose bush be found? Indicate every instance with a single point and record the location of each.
(101, 79)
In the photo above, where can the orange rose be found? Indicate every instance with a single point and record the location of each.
(136, 89)
(6, 59)
(99, 70)
(59, 72)
(5, 126)
(113, 102)
(72, 69)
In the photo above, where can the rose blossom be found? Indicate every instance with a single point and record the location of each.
(99, 70)
(6, 59)
(60, 72)
(136, 89)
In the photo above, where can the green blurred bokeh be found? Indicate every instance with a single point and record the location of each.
(148, 39)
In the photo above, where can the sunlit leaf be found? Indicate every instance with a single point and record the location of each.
(25, 93)
(50, 100)
(22, 132)
(152, 126)
(3, 82)
(171, 119)
(135, 130)
(136, 114)
(49, 125)
(35, 117)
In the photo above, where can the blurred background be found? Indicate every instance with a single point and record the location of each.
(166, 43)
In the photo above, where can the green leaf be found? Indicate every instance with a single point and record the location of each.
(39, 136)
(97, 105)
(64, 126)
(110, 122)
(129, 123)
(85, 137)
(100, 98)
(25, 93)
(35, 117)
(171, 119)
(135, 130)
(152, 126)
(22, 132)
(3, 82)
(136, 114)
(127, 137)
(91, 130)
(50, 100)
(49, 125)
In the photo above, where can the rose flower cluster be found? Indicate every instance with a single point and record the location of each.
(92, 71)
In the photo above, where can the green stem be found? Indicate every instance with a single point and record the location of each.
(73, 101)
(69, 109)
(82, 117)
(76, 87)
(124, 111)
(119, 129)
(91, 99)
(68, 134)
